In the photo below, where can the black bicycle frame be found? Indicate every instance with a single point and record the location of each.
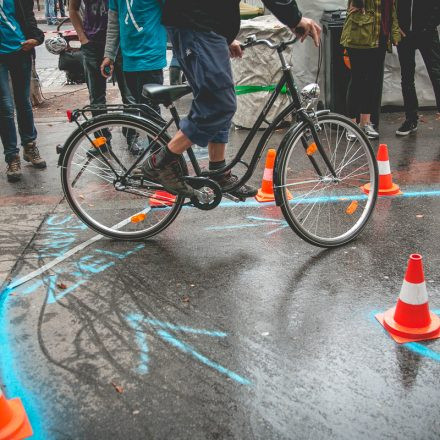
(294, 107)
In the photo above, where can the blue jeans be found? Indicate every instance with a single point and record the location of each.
(19, 65)
(204, 59)
(49, 10)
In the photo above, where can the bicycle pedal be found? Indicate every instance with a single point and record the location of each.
(234, 198)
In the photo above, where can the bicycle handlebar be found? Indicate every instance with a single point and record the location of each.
(251, 40)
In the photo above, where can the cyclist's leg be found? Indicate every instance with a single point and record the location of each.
(204, 58)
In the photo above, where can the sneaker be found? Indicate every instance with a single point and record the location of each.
(13, 172)
(407, 128)
(31, 154)
(370, 132)
(170, 176)
(350, 136)
(135, 147)
(227, 180)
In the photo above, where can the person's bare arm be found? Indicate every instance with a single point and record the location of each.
(76, 20)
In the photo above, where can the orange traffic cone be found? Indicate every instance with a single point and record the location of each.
(14, 424)
(265, 193)
(411, 319)
(386, 185)
(162, 198)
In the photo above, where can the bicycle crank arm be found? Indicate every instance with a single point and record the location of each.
(207, 193)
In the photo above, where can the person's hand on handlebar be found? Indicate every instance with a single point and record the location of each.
(235, 50)
(307, 27)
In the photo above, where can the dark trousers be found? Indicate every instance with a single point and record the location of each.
(429, 45)
(137, 80)
(19, 66)
(93, 54)
(365, 82)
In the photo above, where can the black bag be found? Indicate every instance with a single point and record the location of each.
(71, 61)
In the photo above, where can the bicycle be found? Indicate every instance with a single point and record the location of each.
(322, 162)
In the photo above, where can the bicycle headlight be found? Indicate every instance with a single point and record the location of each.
(310, 95)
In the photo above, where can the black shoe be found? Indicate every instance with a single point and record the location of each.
(407, 128)
(94, 152)
(170, 176)
(135, 147)
(227, 180)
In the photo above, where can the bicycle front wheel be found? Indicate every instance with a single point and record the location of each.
(95, 158)
(325, 210)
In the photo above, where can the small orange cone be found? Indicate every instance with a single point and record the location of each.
(162, 198)
(14, 424)
(386, 185)
(411, 319)
(265, 193)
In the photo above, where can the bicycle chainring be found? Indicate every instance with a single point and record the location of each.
(209, 193)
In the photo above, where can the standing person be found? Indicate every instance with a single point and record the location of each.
(202, 35)
(19, 35)
(418, 21)
(59, 5)
(49, 12)
(370, 29)
(136, 27)
(92, 31)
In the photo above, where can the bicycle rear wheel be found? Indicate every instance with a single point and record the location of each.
(94, 160)
(323, 210)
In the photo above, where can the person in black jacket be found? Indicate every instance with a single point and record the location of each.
(19, 35)
(418, 21)
(202, 33)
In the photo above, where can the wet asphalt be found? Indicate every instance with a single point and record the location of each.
(224, 326)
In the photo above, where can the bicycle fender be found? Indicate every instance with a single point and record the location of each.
(291, 133)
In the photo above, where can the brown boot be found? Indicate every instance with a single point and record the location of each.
(13, 172)
(31, 154)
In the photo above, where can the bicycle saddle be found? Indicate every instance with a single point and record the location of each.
(164, 94)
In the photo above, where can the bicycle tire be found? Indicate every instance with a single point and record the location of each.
(98, 123)
(290, 141)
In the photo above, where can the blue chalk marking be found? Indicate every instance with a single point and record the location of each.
(203, 359)
(415, 347)
(226, 227)
(119, 255)
(9, 360)
(253, 203)
(141, 340)
(53, 296)
(135, 321)
(263, 219)
(177, 328)
(95, 266)
(52, 220)
(182, 328)
(434, 193)
(423, 350)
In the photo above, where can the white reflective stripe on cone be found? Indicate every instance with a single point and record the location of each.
(415, 294)
(384, 167)
(268, 174)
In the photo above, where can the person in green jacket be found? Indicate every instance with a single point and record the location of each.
(370, 29)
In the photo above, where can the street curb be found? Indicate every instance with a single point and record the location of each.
(50, 120)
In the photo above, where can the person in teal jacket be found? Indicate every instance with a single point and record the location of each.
(135, 27)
